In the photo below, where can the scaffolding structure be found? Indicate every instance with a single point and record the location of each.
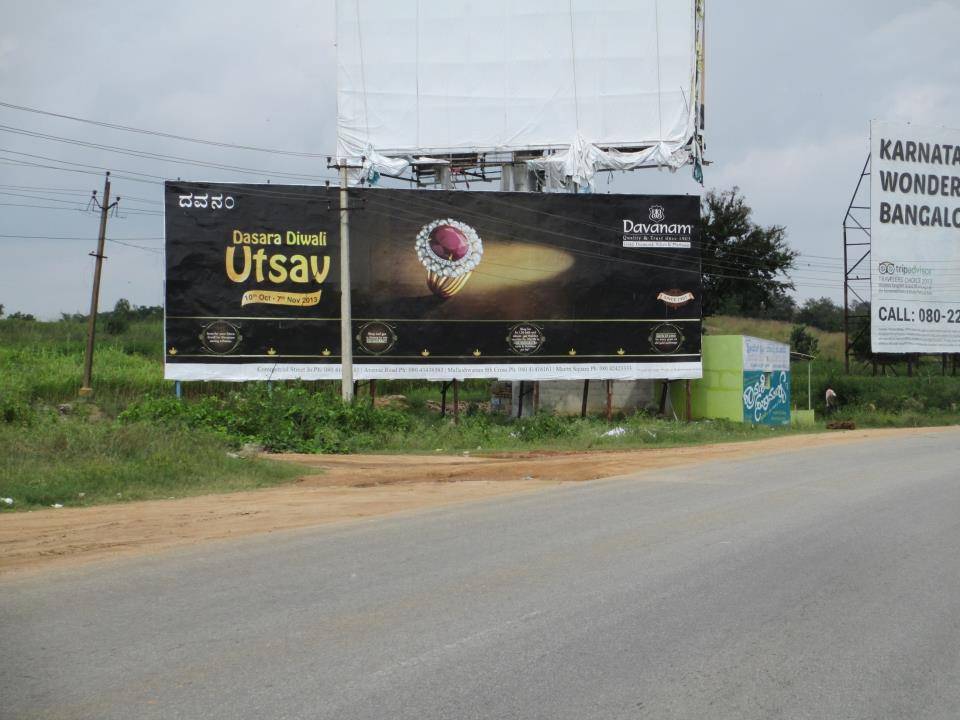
(856, 265)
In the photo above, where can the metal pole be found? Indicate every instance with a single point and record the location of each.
(86, 389)
(846, 307)
(445, 177)
(809, 387)
(688, 403)
(583, 401)
(346, 339)
(609, 400)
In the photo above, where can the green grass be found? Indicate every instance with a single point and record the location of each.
(75, 461)
(136, 441)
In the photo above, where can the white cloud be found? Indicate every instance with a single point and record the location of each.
(925, 104)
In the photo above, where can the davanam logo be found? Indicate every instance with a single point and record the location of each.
(214, 202)
(656, 232)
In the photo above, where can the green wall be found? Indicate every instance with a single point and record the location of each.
(719, 394)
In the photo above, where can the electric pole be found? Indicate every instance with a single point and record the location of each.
(86, 390)
(346, 332)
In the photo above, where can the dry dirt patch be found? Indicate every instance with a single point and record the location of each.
(341, 488)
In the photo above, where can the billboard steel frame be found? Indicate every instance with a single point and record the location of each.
(855, 229)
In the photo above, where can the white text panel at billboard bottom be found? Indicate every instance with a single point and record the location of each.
(915, 238)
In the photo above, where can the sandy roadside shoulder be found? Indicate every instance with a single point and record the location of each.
(345, 488)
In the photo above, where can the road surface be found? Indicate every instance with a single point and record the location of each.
(815, 584)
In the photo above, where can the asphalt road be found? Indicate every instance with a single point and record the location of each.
(815, 584)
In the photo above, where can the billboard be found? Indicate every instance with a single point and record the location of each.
(915, 238)
(766, 382)
(485, 76)
(444, 284)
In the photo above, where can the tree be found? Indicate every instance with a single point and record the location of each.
(804, 342)
(148, 312)
(1, 309)
(119, 320)
(744, 265)
(821, 313)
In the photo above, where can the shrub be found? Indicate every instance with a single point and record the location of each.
(804, 342)
(544, 426)
(282, 418)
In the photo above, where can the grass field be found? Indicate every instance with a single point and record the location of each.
(136, 441)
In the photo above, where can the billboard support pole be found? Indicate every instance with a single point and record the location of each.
(609, 411)
(456, 401)
(346, 341)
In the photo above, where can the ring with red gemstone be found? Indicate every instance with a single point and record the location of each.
(450, 250)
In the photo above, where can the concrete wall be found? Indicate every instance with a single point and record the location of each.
(564, 396)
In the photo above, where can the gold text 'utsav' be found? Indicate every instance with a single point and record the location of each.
(279, 268)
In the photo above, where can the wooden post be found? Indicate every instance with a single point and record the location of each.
(520, 400)
(663, 398)
(586, 392)
(373, 393)
(609, 400)
(687, 401)
(456, 402)
(443, 400)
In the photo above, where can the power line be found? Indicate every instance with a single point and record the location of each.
(161, 157)
(158, 133)
(70, 237)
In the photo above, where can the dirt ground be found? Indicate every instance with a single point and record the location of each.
(343, 488)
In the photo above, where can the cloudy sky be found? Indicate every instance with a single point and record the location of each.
(791, 88)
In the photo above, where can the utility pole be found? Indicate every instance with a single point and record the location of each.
(346, 332)
(86, 389)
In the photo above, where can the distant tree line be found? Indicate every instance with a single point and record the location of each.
(114, 321)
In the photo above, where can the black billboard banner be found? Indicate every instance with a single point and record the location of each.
(444, 284)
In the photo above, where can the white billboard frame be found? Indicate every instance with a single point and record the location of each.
(570, 86)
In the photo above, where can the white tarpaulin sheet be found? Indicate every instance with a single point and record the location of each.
(915, 238)
(577, 79)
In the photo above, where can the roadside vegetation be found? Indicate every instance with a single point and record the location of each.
(135, 440)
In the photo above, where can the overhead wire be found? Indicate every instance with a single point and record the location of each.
(161, 157)
(157, 133)
(514, 224)
(812, 265)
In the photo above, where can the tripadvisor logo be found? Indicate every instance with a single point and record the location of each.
(887, 267)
